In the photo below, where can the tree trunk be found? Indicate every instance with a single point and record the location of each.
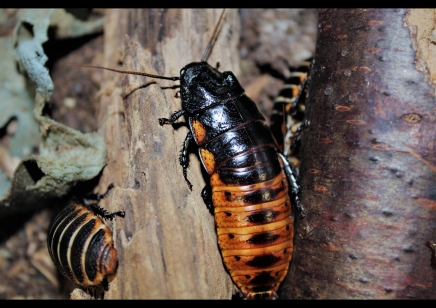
(166, 244)
(368, 164)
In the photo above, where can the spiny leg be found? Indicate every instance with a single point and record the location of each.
(173, 118)
(183, 159)
(295, 187)
(297, 136)
(98, 210)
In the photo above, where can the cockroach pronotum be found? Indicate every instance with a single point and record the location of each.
(81, 246)
(248, 189)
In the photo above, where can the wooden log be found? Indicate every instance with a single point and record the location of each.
(166, 244)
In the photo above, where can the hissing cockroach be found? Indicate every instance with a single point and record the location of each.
(248, 187)
(81, 245)
(289, 110)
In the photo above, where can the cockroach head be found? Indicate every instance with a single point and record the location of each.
(201, 86)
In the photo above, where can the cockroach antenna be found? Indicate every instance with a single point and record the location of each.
(212, 39)
(203, 59)
(129, 72)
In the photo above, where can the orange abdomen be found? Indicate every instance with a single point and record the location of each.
(253, 212)
(255, 232)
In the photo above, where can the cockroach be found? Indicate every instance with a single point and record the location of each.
(289, 110)
(249, 178)
(81, 245)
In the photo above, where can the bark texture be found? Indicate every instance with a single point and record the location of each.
(368, 165)
(166, 244)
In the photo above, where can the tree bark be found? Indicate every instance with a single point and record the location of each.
(368, 164)
(166, 244)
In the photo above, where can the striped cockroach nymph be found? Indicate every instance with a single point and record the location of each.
(81, 245)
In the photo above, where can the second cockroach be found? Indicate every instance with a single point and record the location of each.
(81, 245)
